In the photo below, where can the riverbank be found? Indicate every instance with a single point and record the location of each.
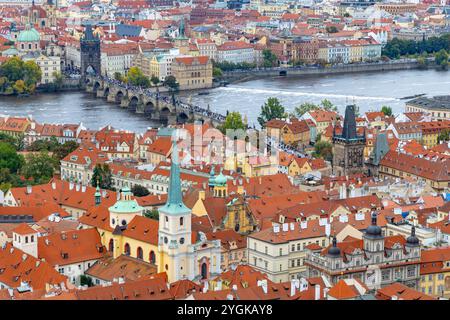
(239, 76)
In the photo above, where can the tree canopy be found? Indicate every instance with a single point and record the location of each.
(396, 48)
(40, 167)
(102, 174)
(233, 121)
(325, 104)
(272, 109)
(139, 191)
(9, 158)
(17, 76)
(386, 110)
(324, 150)
(171, 83)
(270, 59)
(137, 78)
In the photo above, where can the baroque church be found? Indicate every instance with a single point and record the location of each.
(169, 243)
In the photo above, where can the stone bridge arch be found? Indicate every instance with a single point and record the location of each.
(164, 113)
(106, 92)
(119, 96)
(182, 117)
(149, 107)
(133, 103)
(97, 85)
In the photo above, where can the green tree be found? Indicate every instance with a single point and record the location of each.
(102, 174)
(324, 150)
(325, 104)
(86, 280)
(9, 158)
(331, 29)
(60, 151)
(140, 191)
(171, 83)
(272, 109)
(39, 167)
(14, 141)
(386, 110)
(217, 72)
(137, 78)
(443, 136)
(304, 107)
(233, 121)
(18, 76)
(118, 76)
(152, 214)
(19, 86)
(269, 58)
(154, 80)
(59, 80)
(441, 59)
(32, 73)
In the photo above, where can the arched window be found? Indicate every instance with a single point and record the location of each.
(152, 257)
(140, 253)
(204, 270)
(127, 249)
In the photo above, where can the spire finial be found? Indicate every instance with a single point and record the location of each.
(374, 218)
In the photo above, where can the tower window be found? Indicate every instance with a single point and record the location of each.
(181, 221)
(181, 240)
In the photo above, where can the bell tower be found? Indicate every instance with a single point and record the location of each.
(174, 234)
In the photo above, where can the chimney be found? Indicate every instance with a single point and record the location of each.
(77, 187)
(229, 297)
(263, 285)
(83, 188)
(295, 284)
(317, 292)
(29, 189)
(201, 195)
(71, 185)
(54, 185)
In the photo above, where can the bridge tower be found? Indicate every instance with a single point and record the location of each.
(90, 53)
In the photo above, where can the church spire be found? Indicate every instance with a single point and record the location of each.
(349, 129)
(174, 204)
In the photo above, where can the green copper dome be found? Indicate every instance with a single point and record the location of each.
(126, 204)
(220, 180)
(29, 35)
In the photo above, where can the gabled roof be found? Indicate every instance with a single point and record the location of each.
(70, 247)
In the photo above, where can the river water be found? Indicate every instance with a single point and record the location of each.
(368, 90)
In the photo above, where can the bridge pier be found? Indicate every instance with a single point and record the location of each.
(111, 97)
(90, 87)
(100, 93)
(124, 102)
(172, 118)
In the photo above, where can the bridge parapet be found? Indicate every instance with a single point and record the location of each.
(158, 107)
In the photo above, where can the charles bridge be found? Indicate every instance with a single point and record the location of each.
(158, 107)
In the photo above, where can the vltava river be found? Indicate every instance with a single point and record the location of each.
(369, 91)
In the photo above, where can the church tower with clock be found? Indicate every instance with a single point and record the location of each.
(183, 253)
(348, 148)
